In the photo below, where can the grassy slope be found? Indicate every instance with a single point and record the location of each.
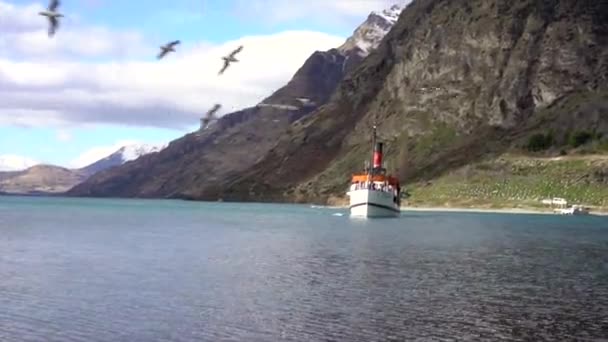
(518, 181)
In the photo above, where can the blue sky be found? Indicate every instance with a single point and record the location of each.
(96, 83)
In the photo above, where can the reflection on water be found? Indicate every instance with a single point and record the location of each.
(103, 270)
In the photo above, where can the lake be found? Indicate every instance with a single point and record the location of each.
(155, 270)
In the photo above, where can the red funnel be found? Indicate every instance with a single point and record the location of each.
(378, 156)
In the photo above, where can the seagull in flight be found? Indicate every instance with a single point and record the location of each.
(230, 59)
(165, 49)
(53, 15)
(210, 115)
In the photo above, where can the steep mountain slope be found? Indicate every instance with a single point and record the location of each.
(48, 179)
(452, 83)
(201, 160)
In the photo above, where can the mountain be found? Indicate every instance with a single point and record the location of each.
(238, 140)
(368, 35)
(451, 84)
(9, 162)
(39, 179)
(121, 156)
(485, 100)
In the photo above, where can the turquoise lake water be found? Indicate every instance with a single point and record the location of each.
(152, 270)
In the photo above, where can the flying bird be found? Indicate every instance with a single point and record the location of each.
(53, 16)
(165, 49)
(230, 59)
(210, 115)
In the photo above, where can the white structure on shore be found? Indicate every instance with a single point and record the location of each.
(556, 201)
(560, 206)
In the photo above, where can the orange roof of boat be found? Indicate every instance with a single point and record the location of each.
(376, 178)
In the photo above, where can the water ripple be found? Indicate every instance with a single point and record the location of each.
(280, 273)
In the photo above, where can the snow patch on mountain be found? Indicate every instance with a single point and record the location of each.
(132, 152)
(368, 35)
(391, 15)
(10, 162)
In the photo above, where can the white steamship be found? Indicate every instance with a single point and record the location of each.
(374, 193)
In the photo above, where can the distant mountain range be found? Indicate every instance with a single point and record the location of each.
(25, 176)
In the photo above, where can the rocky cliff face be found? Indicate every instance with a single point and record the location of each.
(199, 161)
(451, 83)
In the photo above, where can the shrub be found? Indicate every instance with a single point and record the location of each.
(540, 142)
(579, 138)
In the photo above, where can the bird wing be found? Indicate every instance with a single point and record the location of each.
(226, 63)
(209, 116)
(211, 112)
(162, 54)
(53, 5)
(173, 43)
(233, 53)
(54, 23)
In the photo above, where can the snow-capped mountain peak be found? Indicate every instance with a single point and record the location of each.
(132, 152)
(10, 162)
(391, 14)
(121, 156)
(368, 35)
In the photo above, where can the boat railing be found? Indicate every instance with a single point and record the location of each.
(374, 186)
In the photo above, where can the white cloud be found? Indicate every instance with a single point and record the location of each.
(19, 19)
(10, 162)
(345, 12)
(73, 87)
(86, 42)
(99, 152)
(24, 35)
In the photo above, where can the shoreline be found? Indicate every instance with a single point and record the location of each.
(506, 210)
(480, 210)
(493, 211)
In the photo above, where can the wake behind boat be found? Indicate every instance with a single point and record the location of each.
(374, 193)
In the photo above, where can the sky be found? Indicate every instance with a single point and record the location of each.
(96, 85)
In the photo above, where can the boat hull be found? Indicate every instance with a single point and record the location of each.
(373, 203)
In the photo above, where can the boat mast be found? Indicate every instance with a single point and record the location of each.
(371, 168)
